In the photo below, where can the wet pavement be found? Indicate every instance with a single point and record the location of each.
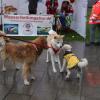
(52, 86)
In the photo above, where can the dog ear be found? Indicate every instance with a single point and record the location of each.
(55, 37)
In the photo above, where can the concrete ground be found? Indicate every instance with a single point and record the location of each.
(52, 86)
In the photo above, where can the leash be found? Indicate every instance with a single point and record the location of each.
(16, 39)
(33, 44)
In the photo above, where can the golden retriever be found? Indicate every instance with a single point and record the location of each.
(25, 53)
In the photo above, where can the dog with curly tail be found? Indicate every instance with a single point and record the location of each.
(71, 61)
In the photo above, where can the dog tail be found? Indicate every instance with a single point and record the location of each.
(83, 63)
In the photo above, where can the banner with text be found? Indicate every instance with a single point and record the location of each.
(27, 25)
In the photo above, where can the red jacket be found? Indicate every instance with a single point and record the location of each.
(95, 14)
(51, 7)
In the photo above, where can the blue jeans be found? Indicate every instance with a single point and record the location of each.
(93, 28)
(63, 20)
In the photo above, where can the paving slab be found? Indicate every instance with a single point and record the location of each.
(52, 86)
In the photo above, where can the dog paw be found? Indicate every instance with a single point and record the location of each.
(4, 69)
(47, 61)
(56, 60)
(33, 78)
(67, 76)
(78, 76)
(26, 82)
(17, 68)
(54, 70)
(61, 70)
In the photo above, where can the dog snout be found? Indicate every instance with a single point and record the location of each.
(61, 46)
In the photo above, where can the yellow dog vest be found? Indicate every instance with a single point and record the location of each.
(72, 60)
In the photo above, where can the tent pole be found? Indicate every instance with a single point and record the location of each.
(1, 15)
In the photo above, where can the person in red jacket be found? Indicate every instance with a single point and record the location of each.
(52, 6)
(94, 22)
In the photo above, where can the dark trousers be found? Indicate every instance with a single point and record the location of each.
(32, 6)
(93, 28)
(63, 20)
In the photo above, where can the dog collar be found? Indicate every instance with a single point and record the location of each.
(55, 50)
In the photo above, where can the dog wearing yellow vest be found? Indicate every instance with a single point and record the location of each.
(71, 61)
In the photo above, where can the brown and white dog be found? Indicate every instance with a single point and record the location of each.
(54, 42)
(24, 53)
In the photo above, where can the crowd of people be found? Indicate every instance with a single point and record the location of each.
(65, 13)
(67, 10)
(52, 8)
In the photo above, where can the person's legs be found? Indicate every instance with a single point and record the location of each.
(63, 20)
(32, 6)
(92, 33)
(98, 27)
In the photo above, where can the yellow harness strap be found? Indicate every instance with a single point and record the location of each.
(72, 60)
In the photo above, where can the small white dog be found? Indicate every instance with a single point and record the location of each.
(71, 61)
(54, 42)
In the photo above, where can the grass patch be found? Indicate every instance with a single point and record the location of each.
(72, 36)
(68, 36)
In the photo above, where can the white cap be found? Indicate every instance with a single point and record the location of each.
(67, 47)
(52, 32)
